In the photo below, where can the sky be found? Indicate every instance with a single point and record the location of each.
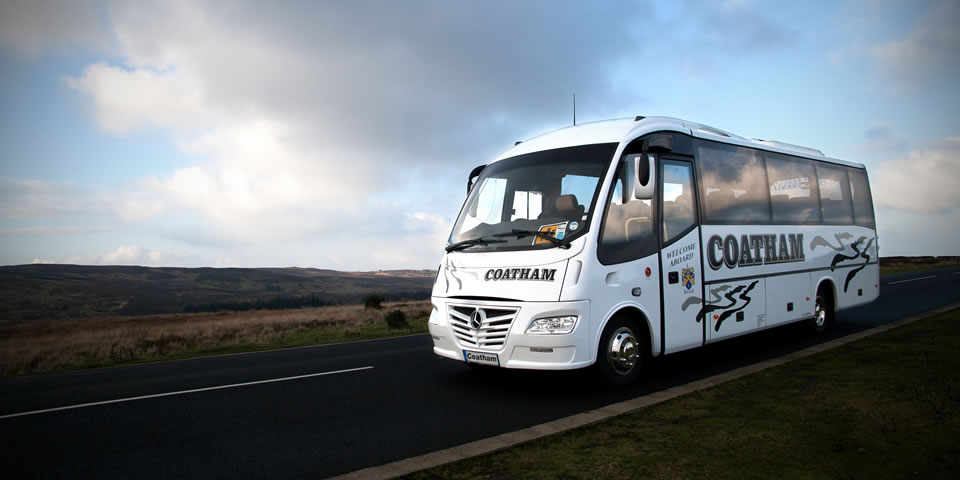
(339, 134)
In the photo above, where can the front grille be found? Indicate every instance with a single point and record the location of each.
(493, 330)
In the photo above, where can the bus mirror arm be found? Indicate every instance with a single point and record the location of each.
(657, 143)
(474, 174)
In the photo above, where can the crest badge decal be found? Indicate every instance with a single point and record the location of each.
(688, 278)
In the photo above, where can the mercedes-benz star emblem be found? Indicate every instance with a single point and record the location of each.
(476, 319)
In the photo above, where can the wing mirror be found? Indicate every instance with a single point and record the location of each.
(642, 167)
(640, 175)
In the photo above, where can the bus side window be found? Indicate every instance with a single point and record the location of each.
(628, 232)
(734, 181)
(678, 207)
(793, 193)
(835, 202)
(862, 201)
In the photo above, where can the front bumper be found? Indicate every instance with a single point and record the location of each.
(519, 350)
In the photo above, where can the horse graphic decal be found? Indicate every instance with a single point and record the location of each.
(863, 253)
(819, 241)
(450, 271)
(732, 297)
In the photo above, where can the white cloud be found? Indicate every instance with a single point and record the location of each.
(125, 100)
(929, 49)
(31, 200)
(731, 25)
(307, 119)
(137, 203)
(923, 181)
(126, 255)
(387, 240)
(56, 230)
(427, 234)
(136, 255)
(903, 232)
(42, 199)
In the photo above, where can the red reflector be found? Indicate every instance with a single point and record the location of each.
(647, 271)
(808, 299)
(716, 317)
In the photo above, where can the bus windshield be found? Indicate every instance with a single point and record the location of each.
(519, 201)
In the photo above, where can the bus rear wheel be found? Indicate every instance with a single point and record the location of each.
(822, 313)
(621, 352)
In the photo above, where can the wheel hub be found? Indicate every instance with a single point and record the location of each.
(623, 351)
(819, 314)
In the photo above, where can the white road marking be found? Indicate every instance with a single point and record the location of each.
(195, 390)
(955, 273)
(912, 280)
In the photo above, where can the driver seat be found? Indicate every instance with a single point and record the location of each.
(567, 207)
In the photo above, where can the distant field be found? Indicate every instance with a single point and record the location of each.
(42, 346)
(894, 265)
(63, 317)
(48, 292)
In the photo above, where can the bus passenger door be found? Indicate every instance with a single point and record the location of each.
(680, 264)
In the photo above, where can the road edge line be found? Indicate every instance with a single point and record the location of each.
(511, 439)
(181, 392)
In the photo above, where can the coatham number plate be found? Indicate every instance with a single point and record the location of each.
(481, 358)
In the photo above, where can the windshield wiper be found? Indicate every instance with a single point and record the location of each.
(523, 233)
(472, 242)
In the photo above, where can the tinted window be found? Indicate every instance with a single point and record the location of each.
(793, 194)
(628, 232)
(862, 201)
(678, 207)
(734, 184)
(834, 194)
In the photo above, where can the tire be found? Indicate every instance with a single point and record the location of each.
(621, 352)
(822, 313)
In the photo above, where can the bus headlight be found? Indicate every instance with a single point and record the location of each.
(552, 325)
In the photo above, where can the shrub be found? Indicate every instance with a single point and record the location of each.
(373, 301)
(396, 319)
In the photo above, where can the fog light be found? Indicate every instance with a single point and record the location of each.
(552, 325)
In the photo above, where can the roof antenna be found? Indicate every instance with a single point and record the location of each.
(574, 109)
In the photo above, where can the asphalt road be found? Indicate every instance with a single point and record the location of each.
(374, 403)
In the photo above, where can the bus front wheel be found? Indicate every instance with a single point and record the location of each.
(621, 352)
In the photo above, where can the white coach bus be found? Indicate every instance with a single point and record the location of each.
(610, 242)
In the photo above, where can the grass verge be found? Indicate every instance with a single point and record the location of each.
(883, 407)
(32, 347)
